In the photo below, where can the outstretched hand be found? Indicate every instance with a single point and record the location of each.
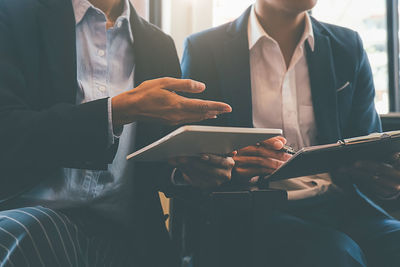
(156, 100)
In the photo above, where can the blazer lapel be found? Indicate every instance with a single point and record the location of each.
(323, 85)
(234, 62)
(147, 52)
(57, 24)
(151, 62)
(142, 52)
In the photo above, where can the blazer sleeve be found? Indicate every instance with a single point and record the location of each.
(187, 60)
(31, 137)
(364, 118)
(197, 64)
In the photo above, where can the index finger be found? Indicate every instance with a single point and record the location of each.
(218, 161)
(264, 152)
(182, 85)
(205, 106)
(276, 142)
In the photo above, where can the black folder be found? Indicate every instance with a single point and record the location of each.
(326, 158)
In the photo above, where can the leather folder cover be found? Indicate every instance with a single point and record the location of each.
(326, 158)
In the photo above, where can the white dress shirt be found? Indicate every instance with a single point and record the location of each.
(281, 98)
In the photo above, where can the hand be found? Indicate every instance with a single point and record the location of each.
(207, 171)
(261, 159)
(155, 100)
(377, 178)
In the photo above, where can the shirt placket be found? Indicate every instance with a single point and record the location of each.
(100, 75)
(99, 87)
(291, 127)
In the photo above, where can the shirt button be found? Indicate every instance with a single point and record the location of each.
(119, 24)
(102, 88)
(101, 53)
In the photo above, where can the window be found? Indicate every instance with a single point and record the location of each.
(368, 18)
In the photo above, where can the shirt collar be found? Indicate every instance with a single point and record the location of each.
(81, 7)
(256, 31)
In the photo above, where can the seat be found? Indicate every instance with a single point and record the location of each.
(216, 229)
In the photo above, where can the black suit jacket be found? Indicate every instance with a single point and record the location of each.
(41, 127)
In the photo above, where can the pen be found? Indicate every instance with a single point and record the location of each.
(288, 149)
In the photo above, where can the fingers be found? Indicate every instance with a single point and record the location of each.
(374, 177)
(206, 171)
(193, 110)
(200, 174)
(394, 160)
(248, 173)
(383, 175)
(205, 106)
(181, 85)
(373, 184)
(206, 161)
(275, 143)
(379, 169)
(218, 161)
(190, 118)
(261, 151)
(259, 162)
(191, 86)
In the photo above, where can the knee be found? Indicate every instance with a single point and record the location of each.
(28, 236)
(337, 249)
(309, 244)
(384, 248)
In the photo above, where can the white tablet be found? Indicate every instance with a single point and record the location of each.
(194, 140)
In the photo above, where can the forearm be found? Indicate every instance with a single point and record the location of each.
(62, 135)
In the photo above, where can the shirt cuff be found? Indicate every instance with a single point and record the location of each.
(112, 136)
(177, 178)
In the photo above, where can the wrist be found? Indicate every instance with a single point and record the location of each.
(113, 132)
(123, 110)
(177, 177)
(116, 118)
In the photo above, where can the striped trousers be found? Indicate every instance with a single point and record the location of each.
(38, 236)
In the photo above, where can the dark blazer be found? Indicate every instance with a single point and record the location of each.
(219, 57)
(41, 127)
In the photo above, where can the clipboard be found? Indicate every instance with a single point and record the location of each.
(194, 140)
(326, 158)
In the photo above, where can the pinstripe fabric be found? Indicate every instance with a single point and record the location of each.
(38, 236)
